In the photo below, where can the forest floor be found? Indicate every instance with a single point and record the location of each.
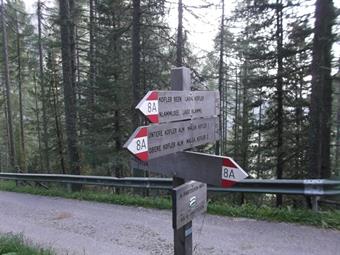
(80, 227)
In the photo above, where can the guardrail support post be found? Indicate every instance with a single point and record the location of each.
(315, 203)
(181, 80)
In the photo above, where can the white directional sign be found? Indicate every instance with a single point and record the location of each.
(167, 106)
(211, 169)
(154, 141)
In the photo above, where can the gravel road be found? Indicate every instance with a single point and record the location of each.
(79, 227)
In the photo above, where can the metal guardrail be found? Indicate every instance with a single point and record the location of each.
(313, 188)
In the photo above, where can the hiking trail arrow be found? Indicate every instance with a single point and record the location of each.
(211, 169)
(168, 106)
(154, 141)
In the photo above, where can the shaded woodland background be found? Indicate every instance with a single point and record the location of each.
(72, 74)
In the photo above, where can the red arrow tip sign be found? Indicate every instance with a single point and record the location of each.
(153, 95)
(231, 173)
(138, 143)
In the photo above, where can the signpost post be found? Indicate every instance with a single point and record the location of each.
(181, 80)
(182, 120)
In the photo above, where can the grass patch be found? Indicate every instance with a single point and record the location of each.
(91, 195)
(325, 219)
(15, 245)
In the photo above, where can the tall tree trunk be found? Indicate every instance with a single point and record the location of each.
(92, 86)
(5, 133)
(320, 109)
(43, 94)
(179, 44)
(69, 89)
(236, 117)
(245, 124)
(279, 91)
(37, 112)
(55, 100)
(92, 59)
(136, 59)
(218, 147)
(12, 156)
(245, 119)
(337, 139)
(259, 139)
(22, 135)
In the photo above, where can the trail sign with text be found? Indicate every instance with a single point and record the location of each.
(168, 106)
(211, 169)
(154, 141)
(189, 200)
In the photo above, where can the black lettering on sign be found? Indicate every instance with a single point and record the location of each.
(198, 110)
(141, 145)
(186, 112)
(181, 130)
(152, 108)
(165, 99)
(189, 99)
(199, 98)
(192, 127)
(178, 99)
(191, 140)
(168, 146)
(201, 138)
(171, 131)
(156, 134)
(155, 149)
(228, 173)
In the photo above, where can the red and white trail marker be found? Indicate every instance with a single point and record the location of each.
(149, 106)
(169, 106)
(138, 145)
(231, 173)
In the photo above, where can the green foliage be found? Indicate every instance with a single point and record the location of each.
(15, 245)
(325, 219)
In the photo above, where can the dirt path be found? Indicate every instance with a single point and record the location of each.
(79, 227)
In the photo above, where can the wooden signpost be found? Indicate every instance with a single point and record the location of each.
(182, 120)
(189, 200)
(214, 170)
(154, 141)
(167, 106)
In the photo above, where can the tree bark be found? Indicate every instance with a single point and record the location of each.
(135, 59)
(43, 95)
(69, 89)
(37, 112)
(236, 117)
(22, 135)
(12, 155)
(320, 108)
(218, 147)
(279, 91)
(179, 44)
